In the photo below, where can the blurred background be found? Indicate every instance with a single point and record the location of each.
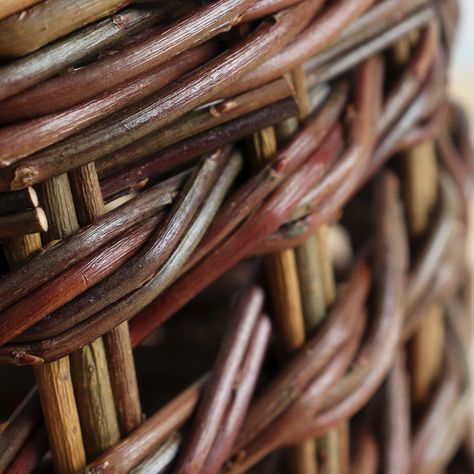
(462, 72)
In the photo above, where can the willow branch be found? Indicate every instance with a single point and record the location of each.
(163, 108)
(30, 136)
(84, 242)
(26, 72)
(46, 21)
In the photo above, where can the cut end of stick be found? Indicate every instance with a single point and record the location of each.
(33, 196)
(22, 358)
(42, 219)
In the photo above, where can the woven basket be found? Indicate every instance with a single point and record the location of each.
(289, 181)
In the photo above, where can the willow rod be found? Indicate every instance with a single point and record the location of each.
(109, 404)
(127, 307)
(110, 71)
(358, 385)
(9, 7)
(148, 437)
(196, 122)
(21, 223)
(27, 137)
(42, 23)
(90, 238)
(319, 34)
(268, 223)
(84, 242)
(306, 141)
(182, 154)
(285, 163)
(218, 390)
(151, 433)
(237, 411)
(31, 453)
(298, 373)
(21, 424)
(328, 71)
(371, 24)
(26, 72)
(262, 223)
(178, 99)
(69, 284)
(54, 380)
(18, 201)
(121, 282)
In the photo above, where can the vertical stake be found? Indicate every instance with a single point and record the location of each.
(54, 379)
(420, 192)
(113, 352)
(282, 279)
(318, 292)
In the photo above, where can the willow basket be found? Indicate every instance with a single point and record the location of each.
(244, 219)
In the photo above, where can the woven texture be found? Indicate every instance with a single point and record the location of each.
(289, 183)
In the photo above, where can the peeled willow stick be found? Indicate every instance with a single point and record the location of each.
(19, 248)
(119, 360)
(317, 291)
(23, 33)
(282, 279)
(18, 75)
(421, 196)
(9, 7)
(366, 457)
(397, 426)
(91, 379)
(54, 380)
(25, 222)
(18, 201)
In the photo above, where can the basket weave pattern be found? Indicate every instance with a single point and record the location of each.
(149, 151)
